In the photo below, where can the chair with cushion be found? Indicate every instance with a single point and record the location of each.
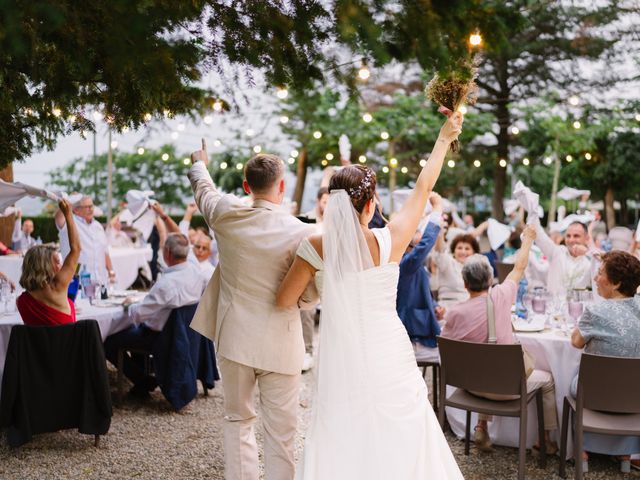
(55, 378)
(180, 357)
(607, 402)
(491, 369)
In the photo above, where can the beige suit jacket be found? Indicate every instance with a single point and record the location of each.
(257, 245)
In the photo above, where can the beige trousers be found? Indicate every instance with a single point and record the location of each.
(308, 323)
(537, 379)
(279, 408)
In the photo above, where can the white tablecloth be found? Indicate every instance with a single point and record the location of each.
(126, 262)
(110, 320)
(553, 353)
(11, 266)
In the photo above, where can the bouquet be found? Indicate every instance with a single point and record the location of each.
(453, 90)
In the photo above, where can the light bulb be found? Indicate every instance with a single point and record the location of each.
(257, 149)
(576, 125)
(569, 158)
(282, 93)
(364, 73)
(588, 156)
(114, 144)
(525, 161)
(385, 169)
(362, 159)
(393, 162)
(475, 39)
(574, 100)
(223, 165)
(208, 120)
(140, 151)
(317, 134)
(476, 163)
(367, 117)
(384, 135)
(185, 161)
(422, 162)
(284, 119)
(329, 156)
(239, 166)
(165, 157)
(294, 153)
(502, 163)
(404, 170)
(217, 106)
(451, 163)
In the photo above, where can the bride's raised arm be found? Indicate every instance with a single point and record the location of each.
(404, 223)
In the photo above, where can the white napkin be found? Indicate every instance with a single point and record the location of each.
(563, 224)
(510, 206)
(138, 200)
(568, 193)
(498, 233)
(529, 200)
(10, 193)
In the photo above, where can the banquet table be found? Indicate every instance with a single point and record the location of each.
(111, 319)
(126, 262)
(553, 353)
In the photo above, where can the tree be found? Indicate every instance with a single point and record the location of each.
(131, 171)
(535, 50)
(135, 60)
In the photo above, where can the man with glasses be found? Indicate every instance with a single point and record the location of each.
(202, 251)
(93, 240)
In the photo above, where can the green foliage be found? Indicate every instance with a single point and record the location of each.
(131, 171)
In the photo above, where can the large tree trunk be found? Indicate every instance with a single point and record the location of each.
(6, 223)
(301, 178)
(499, 173)
(609, 212)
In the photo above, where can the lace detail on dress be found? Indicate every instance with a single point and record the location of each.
(383, 236)
(308, 253)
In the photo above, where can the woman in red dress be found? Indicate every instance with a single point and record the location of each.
(46, 280)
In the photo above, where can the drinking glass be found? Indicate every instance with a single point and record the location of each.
(90, 291)
(539, 304)
(575, 309)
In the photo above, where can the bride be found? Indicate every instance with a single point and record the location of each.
(372, 418)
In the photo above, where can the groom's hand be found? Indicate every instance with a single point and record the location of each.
(201, 155)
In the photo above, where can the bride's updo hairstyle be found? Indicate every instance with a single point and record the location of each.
(358, 181)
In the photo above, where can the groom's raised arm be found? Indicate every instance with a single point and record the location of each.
(205, 191)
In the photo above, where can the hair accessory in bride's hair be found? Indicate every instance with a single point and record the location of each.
(364, 185)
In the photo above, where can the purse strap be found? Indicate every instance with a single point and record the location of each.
(491, 320)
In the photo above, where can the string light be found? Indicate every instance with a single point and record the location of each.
(217, 106)
(250, 132)
(324, 162)
(147, 117)
(166, 113)
(174, 135)
(208, 120)
(291, 161)
(284, 119)
(362, 159)
(56, 112)
(367, 117)
(569, 158)
(185, 161)
(329, 156)
(574, 100)
(385, 169)
(475, 39)
(165, 157)
(462, 109)
(125, 129)
(547, 160)
(114, 144)
(239, 166)
(364, 73)
(72, 118)
(525, 161)
(282, 93)
(637, 117)
(384, 135)
(393, 162)
(422, 162)
(317, 134)
(515, 130)
(476, 163)
(217, 143)
(257, 149)
(140, 151)
(451, 163)
(502, 163)
(181, 127)
(404, 170)
(576, 125)
(587, 156)
(223, 166)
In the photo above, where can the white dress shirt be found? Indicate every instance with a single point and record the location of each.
(179, 285)
(207, 268)
(93, 244)
(566, 272)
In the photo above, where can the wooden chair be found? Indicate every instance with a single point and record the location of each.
(607, 402)
(493, 369)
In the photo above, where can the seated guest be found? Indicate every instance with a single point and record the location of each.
(202, 251)
(451, 289)
(21, 237)
(612, 327)
(46, 280)
(115, 236)
(468, 321)
(414, 303)
(569, 264)
(180, 284)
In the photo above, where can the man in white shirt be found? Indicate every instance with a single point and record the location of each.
(93, 241)
(21, 237)
(202, 252)
(569, 264)
(180, 284)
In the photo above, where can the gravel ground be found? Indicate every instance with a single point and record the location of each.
(151, 441)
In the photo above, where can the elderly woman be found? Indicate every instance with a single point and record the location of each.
(468, 321)
(46, 280)
(612, 327)
(451, 288)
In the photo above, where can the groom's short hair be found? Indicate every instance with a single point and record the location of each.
(263, 171)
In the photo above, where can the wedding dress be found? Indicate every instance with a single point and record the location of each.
(371, 416)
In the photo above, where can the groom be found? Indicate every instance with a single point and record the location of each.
(256, 342)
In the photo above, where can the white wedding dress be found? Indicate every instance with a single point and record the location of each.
(371, 416)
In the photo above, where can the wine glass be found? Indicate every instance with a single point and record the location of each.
(575, 308)
(90, 291)
(539, 304)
